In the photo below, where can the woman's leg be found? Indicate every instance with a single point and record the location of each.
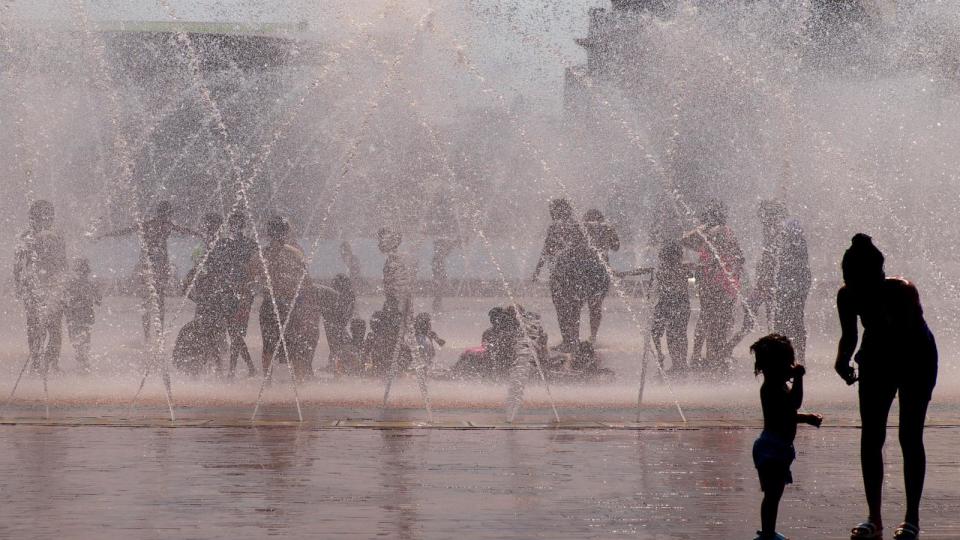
(595, 305)
(564, 300)
(876, 397)
(677, 338)
(913, 415)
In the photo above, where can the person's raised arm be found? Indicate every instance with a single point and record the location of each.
(693, 239)
(118, 233)
(796, 390)
(613, 239)
(547, 252)
(848, 336)
(185, 231)
(634, 272)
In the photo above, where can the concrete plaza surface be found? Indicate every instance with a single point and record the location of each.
(111, 477)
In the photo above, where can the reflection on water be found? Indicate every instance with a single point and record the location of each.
(118, 482)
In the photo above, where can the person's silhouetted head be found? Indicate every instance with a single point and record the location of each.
(341, 284)
(41, 214)
(772, 212)
(388, 240)
(81, 266)
(862, 263)
(714, 213)
(345, 249)
(211, 224)
(164, 210)
(774, 357)
(278, 228)
(497, 316)
(422, 324)
(560, 209)
(593, 216)
(358, 329)
(237, 222)
(671, 254)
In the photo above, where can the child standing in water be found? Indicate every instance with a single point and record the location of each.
(671, 315)
(82, 295)
(773, 451)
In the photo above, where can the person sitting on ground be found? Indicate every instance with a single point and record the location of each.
(897, 358)
(773, 451)
(82, 295)
(487, 360)
(351, 355)
(378, 349)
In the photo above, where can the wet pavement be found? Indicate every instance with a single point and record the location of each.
(109, 480)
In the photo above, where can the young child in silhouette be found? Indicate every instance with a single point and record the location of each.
(773, 451)
(426, 338)
(82, 295)
(351, 360)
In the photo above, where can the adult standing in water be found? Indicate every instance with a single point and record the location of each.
(772, 214)
(280, 284)
(792, 286)
(897, 356)
(39, 274)
(602, 238)
(718, 279)
(154, 259)
(564, 250)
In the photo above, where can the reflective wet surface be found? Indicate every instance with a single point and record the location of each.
(253, 482)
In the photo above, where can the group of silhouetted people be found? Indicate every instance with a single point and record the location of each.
(577, 254)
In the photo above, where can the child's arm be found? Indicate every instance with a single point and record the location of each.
(119, 232)
(185, 231)
(809, 418)
(635, 272)
(796, 391)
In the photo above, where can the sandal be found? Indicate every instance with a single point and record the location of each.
(906, 531)
(866, 530)
(776, 536)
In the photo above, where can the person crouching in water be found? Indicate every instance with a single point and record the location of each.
(82, 295)
(773, 451)
(280, 281)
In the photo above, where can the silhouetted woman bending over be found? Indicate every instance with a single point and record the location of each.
(898, 355)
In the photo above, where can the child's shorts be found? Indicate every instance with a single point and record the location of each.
(773, 456)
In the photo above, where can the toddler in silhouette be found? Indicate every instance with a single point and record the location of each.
(351, 360)
(82, 295)
(773, 451)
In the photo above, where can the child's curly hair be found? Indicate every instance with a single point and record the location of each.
(772, 351)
